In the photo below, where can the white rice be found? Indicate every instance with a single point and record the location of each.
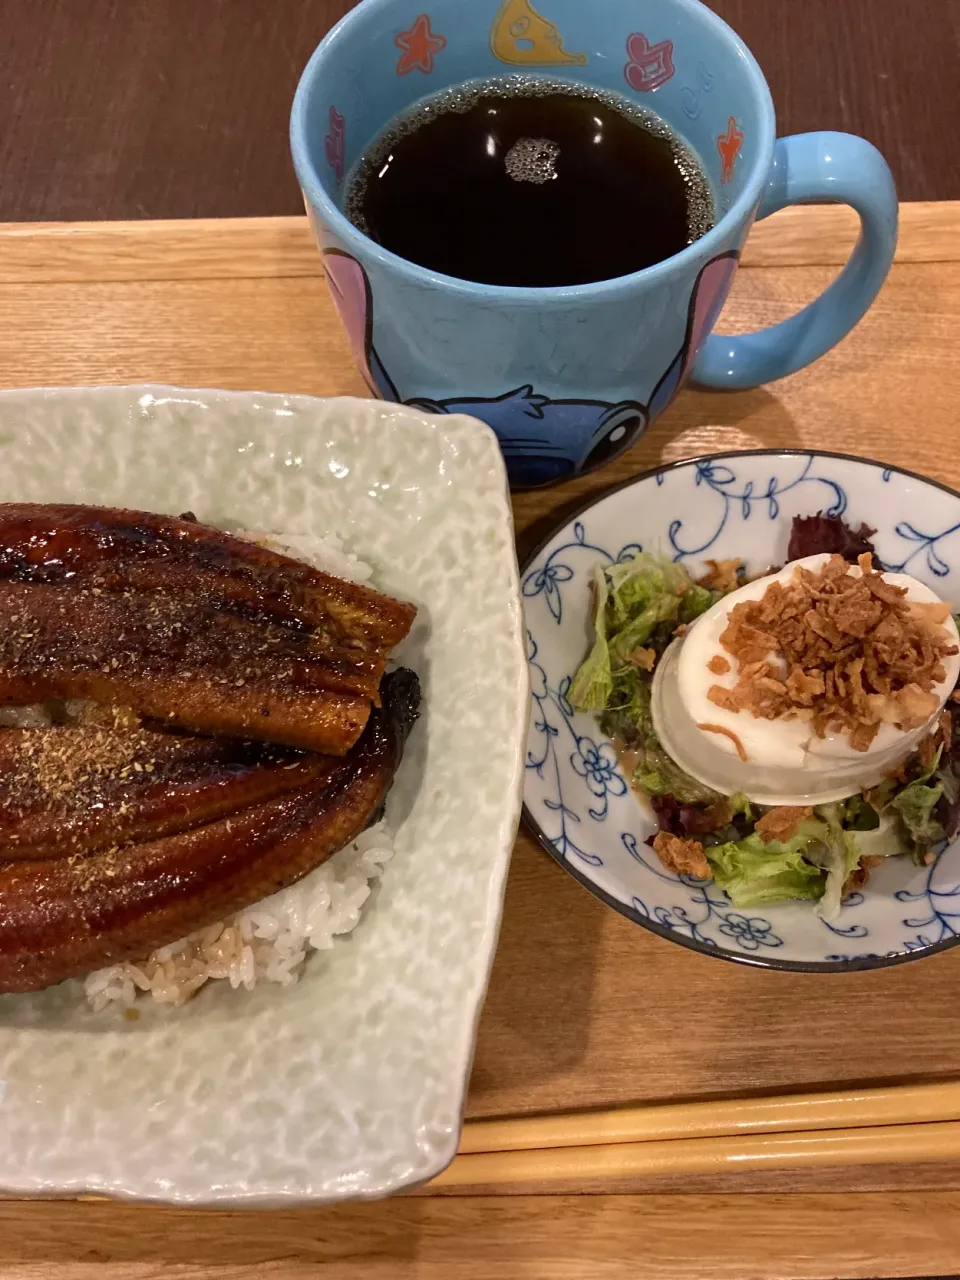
(269, 941)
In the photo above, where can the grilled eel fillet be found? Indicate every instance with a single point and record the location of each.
(76, 791)
(62, 918)
(173, 659)
(187, 625)
(120, 550)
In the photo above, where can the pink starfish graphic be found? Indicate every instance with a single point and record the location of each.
(419, 45)
(334, 144)
(729, 144)
(650, 65)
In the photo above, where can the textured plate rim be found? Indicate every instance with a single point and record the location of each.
(451, 426)
(734, 957)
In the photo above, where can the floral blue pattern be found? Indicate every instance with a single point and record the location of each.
(577, 796)
(751, 932)
(934, 918)
(598, 767)
(705, 902)
(545, 579)
(723, 481)
(546, 763)
(926, 543)
(848, 930)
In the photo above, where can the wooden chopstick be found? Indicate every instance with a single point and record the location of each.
(894, 1125)
(887, 1144)
(787, 1113)
(919, 1123)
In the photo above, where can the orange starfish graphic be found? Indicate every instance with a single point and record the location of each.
(419, 44)
(729, 144)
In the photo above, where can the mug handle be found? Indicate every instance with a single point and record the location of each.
(838, 168)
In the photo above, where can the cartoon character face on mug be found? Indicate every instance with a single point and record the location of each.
(543, 440)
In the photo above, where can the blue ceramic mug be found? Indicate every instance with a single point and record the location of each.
(571, 376)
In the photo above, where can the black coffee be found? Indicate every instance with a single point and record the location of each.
(522, 181)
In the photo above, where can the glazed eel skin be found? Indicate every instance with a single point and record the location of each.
(74, 791)
(173, 659)
(188, 625)
(115, 549)
(67, 916)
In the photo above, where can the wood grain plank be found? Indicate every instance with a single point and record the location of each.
(544, 1044)
(889, 389)
(175, 109)
(898, 370)
(823, 235)
(800, 1237)
(272, 335)
(708, 1029)
(560, 1027)
(188, 249)
(279, 248)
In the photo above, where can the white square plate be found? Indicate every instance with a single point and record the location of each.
(350, 1083)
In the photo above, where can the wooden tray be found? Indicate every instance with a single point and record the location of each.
(585, 1009)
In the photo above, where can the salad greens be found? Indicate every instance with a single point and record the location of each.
(753, 873)
(814, 863)
(916, 804)
(638, 605)
(593, 683)
(633, 599)
(628, 718)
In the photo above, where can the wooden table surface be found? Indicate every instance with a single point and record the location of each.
(179, 108)
(584, 1007)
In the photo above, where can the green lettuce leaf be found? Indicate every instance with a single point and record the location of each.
(637, 582)
(643, 592)
(630, 719)
(696, 600)
(915, 805)
(657, 775)
(593, 683)
(886, 840)
(950, 783)
(927, 773)
(635, 633)
(754, 874)
(838, 852)
(627, 715)
(858, 815)
(636, 601)
(740, 802)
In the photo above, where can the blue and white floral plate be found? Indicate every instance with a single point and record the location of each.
(576, 797)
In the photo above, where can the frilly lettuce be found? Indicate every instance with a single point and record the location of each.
(632, 599)
(753, 873)
(838, 852)
(814, 863)
(915, 805)
(628, 718)
(638, 605)
(657, 775)
(593, 683)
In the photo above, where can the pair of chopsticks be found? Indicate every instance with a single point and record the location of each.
(892, 1125)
